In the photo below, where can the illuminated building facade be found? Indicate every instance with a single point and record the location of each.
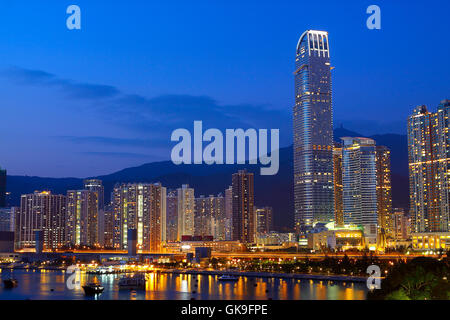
(274, 238)
(172, 216)
(429, 168)
(202, 217)
(264, 220)
(359, 181)
(400, 225)
(7, 218)
(243, 207)
(108, 237)
(96, 186)
(338, 187)
(228, 213)
(216, 207)
(186, 209)
(210, 216)
(431, 241)
(313, 132)
(344, 238)
(82, 218)
(384, 190)
(190, 245)
(141, 207)
(45, 212)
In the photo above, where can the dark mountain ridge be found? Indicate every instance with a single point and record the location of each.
(275, 191)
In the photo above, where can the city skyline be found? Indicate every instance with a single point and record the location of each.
(154, 177)
(112, 115)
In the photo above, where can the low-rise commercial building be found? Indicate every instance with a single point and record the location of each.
(216, 246)
(348, 237)
(431, 241)
(275, 238)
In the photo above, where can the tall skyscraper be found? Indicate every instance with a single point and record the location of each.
(217, 208)
(141, 207)
(2, 188)
(96, 185)
(313, 132)
(108, 229)
(228, 213)
(202, 217)
(45, 212)
(384, 189)
(429, 168)
(263, 220)
(338, 187)
(359, 182)
(186, 207)
(82, 218)
(158, 218)
(243, 207)
(172, 216)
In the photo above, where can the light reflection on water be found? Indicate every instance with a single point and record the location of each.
(51, 285)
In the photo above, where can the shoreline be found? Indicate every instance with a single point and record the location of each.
(254, 274)
(249, 274)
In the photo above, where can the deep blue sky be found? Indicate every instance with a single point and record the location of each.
(89, 102)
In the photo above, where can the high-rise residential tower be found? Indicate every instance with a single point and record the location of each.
(186, 208)
(202, 217)
(384, 190)
(82, 218)
(243, 207)
(172, 216)
(313, 131)
(210, 216)
(45, 212)
(429, 168)
(95, 185)
(217, 208)
(263, 220)
(228, 213)
(359, 180)
(2, 188)
(141, 207)
(108, 228)
(338, 187)
(400, 225)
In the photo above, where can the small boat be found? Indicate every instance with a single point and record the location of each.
(10, 283)
(135, 282)
(92, 289)
(227, 277)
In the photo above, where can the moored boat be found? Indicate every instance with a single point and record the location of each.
(134, 282)
(227, 277)
(91, 289)
(10, 283)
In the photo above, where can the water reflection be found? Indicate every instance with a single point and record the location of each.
(43, 285)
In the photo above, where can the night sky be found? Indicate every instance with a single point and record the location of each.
(92, 101)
